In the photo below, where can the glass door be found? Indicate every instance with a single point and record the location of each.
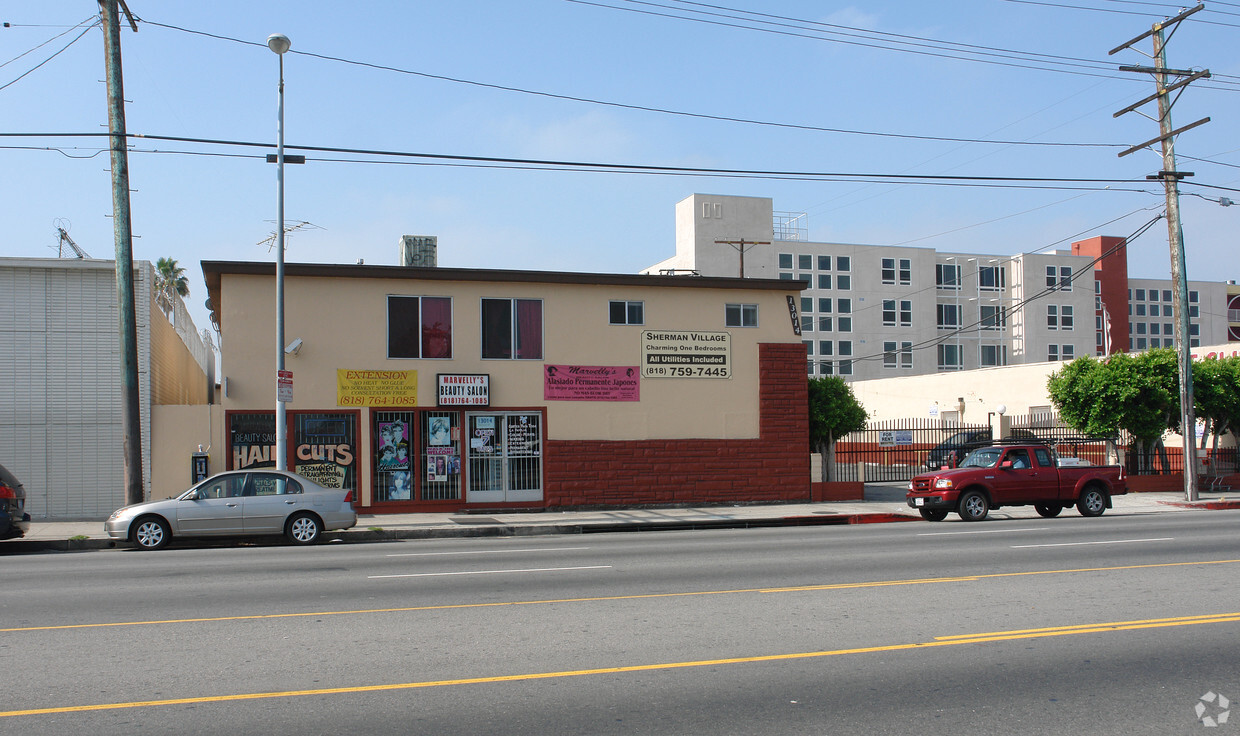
(505, 457)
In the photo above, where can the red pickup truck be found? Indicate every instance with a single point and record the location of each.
(1015, 475)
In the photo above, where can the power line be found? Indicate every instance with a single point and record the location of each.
(643, 108)
(53, 56)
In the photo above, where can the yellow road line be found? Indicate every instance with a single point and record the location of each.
(598, 599)
(527, 677)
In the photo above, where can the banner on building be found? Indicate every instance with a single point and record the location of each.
(590, 383)
(376, 388)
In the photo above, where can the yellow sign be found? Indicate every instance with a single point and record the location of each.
(376, 388)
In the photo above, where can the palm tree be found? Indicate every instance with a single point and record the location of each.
(169, 278)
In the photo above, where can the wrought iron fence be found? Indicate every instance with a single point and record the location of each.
(898, 449)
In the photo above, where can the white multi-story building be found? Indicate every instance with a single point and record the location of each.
(873, 311)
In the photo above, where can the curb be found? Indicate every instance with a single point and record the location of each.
(1220, 505)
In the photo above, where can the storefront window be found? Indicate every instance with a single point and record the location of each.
(505, 457)
(441, 456)
(325, 448)
(393, 456)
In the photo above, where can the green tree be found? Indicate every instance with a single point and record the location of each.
(1216, 395)
(169, 279)
(833, 413)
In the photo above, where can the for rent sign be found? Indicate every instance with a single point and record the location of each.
(677, 354)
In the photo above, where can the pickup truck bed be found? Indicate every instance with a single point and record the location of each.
(1015, 475)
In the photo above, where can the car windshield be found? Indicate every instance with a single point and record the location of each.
(986, 457)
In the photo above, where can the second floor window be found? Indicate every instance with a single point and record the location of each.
(949, 316)
(419, 326)
(512, 329)
(740, 315)
(626, 313)
(947, 276)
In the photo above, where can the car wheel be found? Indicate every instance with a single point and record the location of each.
(151, 532)
(303, 529)
(934, 514)
(973, 506)
(1092, 502)
(1050, 511)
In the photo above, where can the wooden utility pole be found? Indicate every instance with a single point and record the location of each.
(131, 415)
(739, 245)
(1175, 231)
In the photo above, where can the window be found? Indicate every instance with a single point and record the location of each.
(824, 263)
(807, 324)
(906, 271)
(1194, 310)
(1153, 328)
(1192, 296)
(889, 355)
(1140, 295)
(993, 355)
(845, 347)
(740, 315)
(809, 350)
(419, 327)
(993, 318)
(805, 263)
(785, 276)
(785, 260)
(1140, 310)
(824, 281)
(1140, 343)
(843, 282)
(1153, 295)
(627, 313)
(889, 270)
(1052, 352)
(824, 306)
(1065, 317)
(1059, 278)
(948, 317)
(889, 312)
(1068, 352)
(991, 278)
(806, 277)
(1167, 329)
(807, 304)
(845, 367)
(825, 367)
(843, 306)
(906, 313)
(825, 347)
(844, 324)
(1052, 317)
(843, 263)
(824, 324)
(1153, 310)
(1140, 328)
(950, 358)
(512, 329)
(947, 276)
(1194, 329)
(906, 355)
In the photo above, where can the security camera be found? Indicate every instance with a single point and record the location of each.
(294, 347)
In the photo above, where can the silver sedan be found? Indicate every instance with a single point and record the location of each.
(241, 502)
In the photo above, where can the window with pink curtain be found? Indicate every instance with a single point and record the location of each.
(529, 329)
(436, 327)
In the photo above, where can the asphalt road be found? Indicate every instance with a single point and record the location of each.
(1111, 625)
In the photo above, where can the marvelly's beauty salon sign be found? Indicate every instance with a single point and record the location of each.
(464, 390)
(376, 388)
(590, 383)
(673, 354)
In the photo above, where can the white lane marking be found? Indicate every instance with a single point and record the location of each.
(1078, 544)
(984, 531)
(487, 572)
(486, 552)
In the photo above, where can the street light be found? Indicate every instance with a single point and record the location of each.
(279, 43)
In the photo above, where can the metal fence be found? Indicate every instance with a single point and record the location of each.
(895, 449)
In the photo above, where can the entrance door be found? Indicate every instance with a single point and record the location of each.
(505, 457)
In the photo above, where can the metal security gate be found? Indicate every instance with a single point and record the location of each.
(505, 457)
(898, 449)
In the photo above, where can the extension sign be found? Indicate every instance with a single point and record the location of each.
(376, 388)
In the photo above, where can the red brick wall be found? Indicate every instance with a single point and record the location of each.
(774, 467)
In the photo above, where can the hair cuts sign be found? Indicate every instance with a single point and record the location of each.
(376, 388)
(590, 383)
(673, 354)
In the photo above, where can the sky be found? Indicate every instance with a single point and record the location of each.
(989, 91)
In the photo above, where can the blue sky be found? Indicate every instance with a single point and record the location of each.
(193, 203)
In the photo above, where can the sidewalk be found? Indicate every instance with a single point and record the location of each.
(884, 503)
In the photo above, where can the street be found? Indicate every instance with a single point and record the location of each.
(1119, 624)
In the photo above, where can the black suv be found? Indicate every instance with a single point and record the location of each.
(962, 443)
(14, 521)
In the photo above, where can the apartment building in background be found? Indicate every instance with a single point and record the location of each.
(876, 311)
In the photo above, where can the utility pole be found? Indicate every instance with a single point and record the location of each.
(739, 245)
(131, 421)
(1175, 231)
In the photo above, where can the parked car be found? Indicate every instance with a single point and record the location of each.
(962, 443)
(241, 502)
(1015, 475)
(14, 521)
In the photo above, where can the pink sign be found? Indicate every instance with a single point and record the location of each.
(590, 383)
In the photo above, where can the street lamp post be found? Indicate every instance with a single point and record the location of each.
(279, 43)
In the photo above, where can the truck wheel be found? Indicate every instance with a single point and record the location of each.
(973, 506)
(934, 514)
(1047, 510)
(1092, 502)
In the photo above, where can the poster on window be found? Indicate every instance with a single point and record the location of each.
(398, 485)
(590, 383)
(394, 445)
(325, 449)
(252, 439)
(440, 432)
